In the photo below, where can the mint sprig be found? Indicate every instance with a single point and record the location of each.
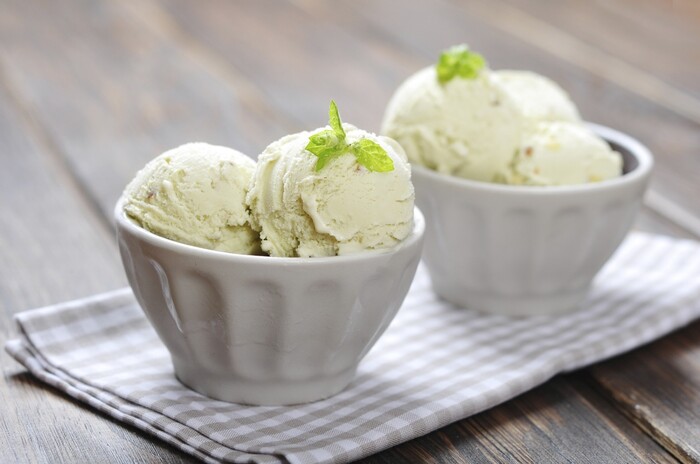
(335, 122)
(459, 61)
(330, 143)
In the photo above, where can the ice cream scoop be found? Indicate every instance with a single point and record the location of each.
(195, 194)
(465, 127)
(340, 201)
(564, 153)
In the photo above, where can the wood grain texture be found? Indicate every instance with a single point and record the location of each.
(658, 387)
(557, 422)
(112, 94)
(658, 38)
(46, 223)
(549, 37)
(302, 61)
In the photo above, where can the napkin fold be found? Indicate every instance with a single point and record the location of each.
(436, 363)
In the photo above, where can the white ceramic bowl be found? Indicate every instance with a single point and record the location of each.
(261, 330)
(524, 250)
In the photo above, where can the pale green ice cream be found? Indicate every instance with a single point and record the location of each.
(340, 209)
(563, 153)
(195, 194)
(497, 126)
(466, 127)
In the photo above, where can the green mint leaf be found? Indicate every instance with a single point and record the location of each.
(323, 160)
(459, 61)
(322, 143)
(334, 119)
(372, 156)
(326, 146)
(330, 143)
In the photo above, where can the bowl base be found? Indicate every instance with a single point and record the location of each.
(280, 392)
(514, 305)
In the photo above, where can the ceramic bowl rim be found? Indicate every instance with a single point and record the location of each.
(124, 222)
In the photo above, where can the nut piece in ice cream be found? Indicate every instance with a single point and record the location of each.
(333, 191)
(195, 194)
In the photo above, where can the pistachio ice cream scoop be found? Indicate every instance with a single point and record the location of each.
(467, 126)
(562, 153)
(195, 194)
(337, 190)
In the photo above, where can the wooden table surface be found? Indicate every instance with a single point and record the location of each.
(90, 90)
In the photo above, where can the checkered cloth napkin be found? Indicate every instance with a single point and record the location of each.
(436, 363)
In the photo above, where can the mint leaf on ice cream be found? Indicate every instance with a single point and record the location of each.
(372, 156)
(334, 119)
(459, 61)
(328, 144)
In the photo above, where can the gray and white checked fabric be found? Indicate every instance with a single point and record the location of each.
(435, 365)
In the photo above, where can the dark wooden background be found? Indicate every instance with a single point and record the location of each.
(92, 89)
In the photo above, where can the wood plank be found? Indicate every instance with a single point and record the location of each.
(548, 37)
(557, 422)
(658, 387)
(649, 35)
(46, 223)
(53, 247)
(131, 94)
(299, 63)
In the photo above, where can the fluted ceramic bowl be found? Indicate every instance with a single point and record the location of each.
(526, 250)
(262, 330)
